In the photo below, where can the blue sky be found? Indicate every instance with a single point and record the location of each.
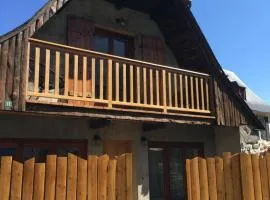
(238, 32)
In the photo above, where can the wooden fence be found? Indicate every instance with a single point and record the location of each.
(238, 177)
(67, 178)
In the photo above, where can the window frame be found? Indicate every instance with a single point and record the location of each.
(166, 160)
(52, 144)
(111, 35)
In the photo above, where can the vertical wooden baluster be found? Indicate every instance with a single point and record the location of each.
(37, 62)
(175, 91)
(84, 76)
(124, 82)
(110, 63)
(181, 91)
(164, 91)
(66, 73)
(207, 95)
(157, 87)
(144, 86)
(75, 75)
(197, 93)
(192, 92)
(57, 72)
(170, 88)
(138, 85)
(186, 86)
(47, 70)
(117, 81)
(27, 67)
(93, 78)
(151, 88)
(131, 85)
(202, 94)
(101, 84)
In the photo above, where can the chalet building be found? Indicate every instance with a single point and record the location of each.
(117, 76)
(260, 108)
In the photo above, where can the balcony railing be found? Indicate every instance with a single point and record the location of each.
(64, 75)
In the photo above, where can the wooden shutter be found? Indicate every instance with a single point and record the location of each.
(80, 34)
(152, 48)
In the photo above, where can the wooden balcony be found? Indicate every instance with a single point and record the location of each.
(68, 76)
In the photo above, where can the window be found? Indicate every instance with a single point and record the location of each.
(167, 169)
(242, 92)
(113, 43)
(23, 149)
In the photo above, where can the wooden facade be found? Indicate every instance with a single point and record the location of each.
(181, 32)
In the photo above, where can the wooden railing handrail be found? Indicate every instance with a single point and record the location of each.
(95, 79)
(109, 56)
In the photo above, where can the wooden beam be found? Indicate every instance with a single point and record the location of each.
(146, 127)
(99, 123)
(3, 72)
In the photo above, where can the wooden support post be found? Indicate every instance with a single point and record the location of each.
(37, 63)
(27, 69)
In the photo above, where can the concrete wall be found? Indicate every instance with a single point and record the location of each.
(103, 14)
(227, 139)
(215, 140)
(15, 126)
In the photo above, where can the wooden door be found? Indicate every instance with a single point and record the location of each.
(117, 147)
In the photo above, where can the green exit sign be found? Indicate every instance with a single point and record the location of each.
(8, 105)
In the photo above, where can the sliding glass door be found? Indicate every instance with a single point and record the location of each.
(167, 168)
